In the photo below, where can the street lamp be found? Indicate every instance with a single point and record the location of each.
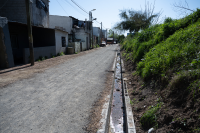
(90, 19)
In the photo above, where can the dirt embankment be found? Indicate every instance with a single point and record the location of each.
(174, 107)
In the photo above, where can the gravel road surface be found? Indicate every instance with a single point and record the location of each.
(57, 100)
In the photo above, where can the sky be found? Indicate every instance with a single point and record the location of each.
(107, 11)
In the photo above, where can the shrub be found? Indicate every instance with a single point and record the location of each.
(142, 42)
(179, 52)
(168, 20)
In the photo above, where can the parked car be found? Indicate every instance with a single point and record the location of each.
(103, 44)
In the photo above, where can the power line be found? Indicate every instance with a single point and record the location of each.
(74, 8)
(79, 6)
(62, 7)
(82, 9)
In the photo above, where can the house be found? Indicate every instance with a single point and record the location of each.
(15, 10)
(78, 31)
(104, 35)
(97, 33)
(63, 29)
(82, 32)
(16, 32)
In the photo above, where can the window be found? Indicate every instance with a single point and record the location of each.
(63, 42)
(41, 5)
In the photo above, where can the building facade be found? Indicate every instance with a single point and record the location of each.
(15, 10)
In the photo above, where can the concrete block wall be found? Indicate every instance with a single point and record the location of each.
(76, 46)
(6, 55)
(96, 31)
(15, 10)
(39, 16)
(58, 36)
(84, 47)
(80, 34)
(40, 51)
(60, 21)
(3, 55)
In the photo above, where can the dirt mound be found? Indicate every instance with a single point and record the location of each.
(178, 110)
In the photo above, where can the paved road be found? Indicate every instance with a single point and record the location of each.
(57, 100)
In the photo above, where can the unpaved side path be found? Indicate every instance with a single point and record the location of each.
(57, 100)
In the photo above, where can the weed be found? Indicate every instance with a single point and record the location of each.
(196, 130)
(161, 47)
(148, 119)
(131, 102)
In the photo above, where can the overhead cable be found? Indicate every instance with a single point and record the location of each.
(75, 8)
(79, 6)
(62, 7)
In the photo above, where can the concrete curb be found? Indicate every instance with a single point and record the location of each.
(105, 120)
(129, 121)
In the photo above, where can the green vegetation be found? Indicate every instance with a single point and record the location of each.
(134, 20)
(172, 45)
(96, 46)
(168, 54)
(148, 119)
(41, 58)
(60, 54)
(131, 102)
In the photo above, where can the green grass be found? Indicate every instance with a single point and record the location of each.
(179, 52)
(142, 42)
(148, 119)
(96, 46)
(131, 102)
(173, 45)
(60, 54)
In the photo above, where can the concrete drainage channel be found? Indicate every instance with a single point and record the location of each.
(117, 116)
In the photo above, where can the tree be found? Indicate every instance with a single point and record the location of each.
(133, 21)
(110, 34)
(120, 38)
(182, 8)
(116, 35)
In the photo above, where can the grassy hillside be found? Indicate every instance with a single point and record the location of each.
(169, 53)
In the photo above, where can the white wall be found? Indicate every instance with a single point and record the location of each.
(58, 36)
(80, 34)
(60, 21)
(83, 37)
(84, 47)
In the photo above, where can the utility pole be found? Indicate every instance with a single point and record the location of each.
(106, 36)
(101, 31)
(92, 31)
(113, 37)
(90, 20)
(29, 32)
